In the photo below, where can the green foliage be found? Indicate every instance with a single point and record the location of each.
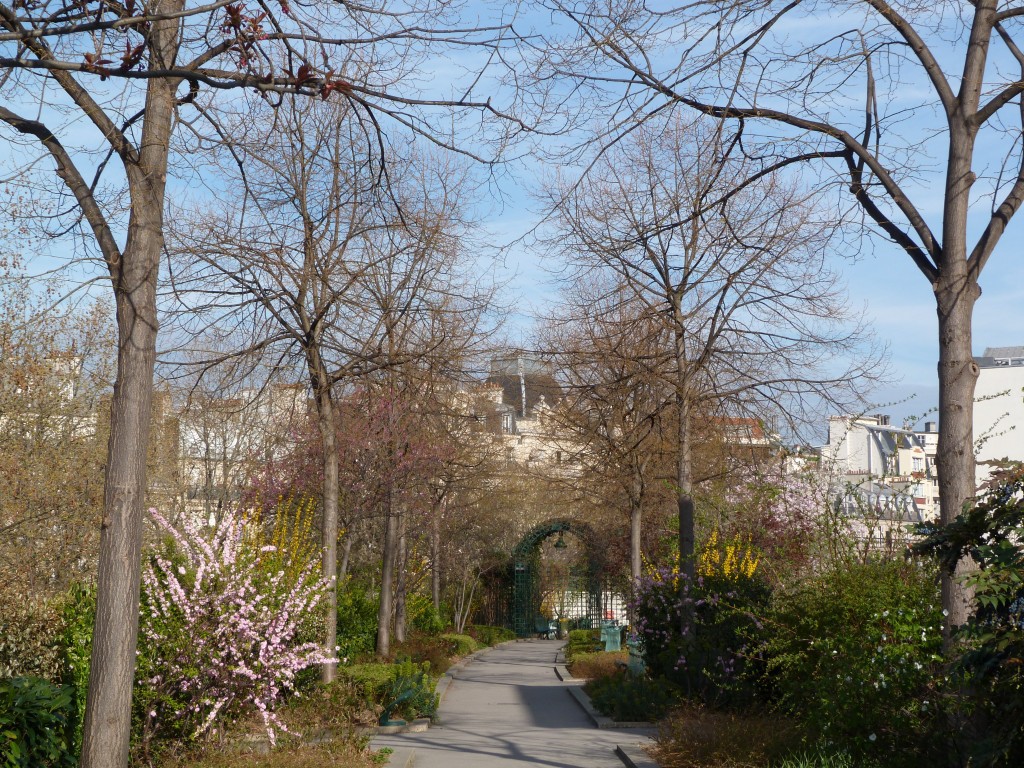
(357, 621)
(850, 653)
(36, 723)
(699, 634)
(412, 688)
(460, 645)
(582, 641)
(78, 614)
(405, 681)
(629, 698)
(369, 679)
(488, 635)
(987, 679)
(423, 616)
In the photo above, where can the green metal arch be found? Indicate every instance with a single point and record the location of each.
(524, 609)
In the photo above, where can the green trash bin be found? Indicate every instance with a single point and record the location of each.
(611, 635)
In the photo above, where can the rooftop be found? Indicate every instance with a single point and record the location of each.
(1001, 357)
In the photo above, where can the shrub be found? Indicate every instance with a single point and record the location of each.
(696, 737)
(36, 724)
(221, 625)
(582, 641)
(698, 634)
(385, 684)
(427, 648)
(460, 645)
(51, 639)
(985, 694)
(78, 614)
(628, 698)
(423, 616)
(850, 653)
(411, 690)
(598, 664)
(488, 635)
(357, 621)
(29, 632)
(369, 679)
(336, 707)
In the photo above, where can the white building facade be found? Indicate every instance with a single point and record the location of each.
(883, 477)
(999, 407)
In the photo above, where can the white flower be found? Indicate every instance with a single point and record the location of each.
(872, 737)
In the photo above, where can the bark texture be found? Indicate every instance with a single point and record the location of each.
(107, 725)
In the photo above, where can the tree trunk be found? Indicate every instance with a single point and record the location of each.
(435, 556)
(635, 551)
(401, 615)
(956, 291)
(387, 581)
(684, 460)
(107, 726)
(329, 542)
(958, 373)
(346, 552)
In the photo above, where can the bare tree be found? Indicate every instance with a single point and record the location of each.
(56, 367)
(127, 69)
(610, 353)
(869, 94)
(321, 264)
(753, 322)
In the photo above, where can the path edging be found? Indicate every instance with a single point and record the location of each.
(632, 756)
(575, 687)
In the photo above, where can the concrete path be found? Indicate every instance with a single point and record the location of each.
(506, 708)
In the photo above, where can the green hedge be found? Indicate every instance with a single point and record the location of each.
(460, 645)
(583, 641)
(488, 635)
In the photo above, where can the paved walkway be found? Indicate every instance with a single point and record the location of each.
(506, 708)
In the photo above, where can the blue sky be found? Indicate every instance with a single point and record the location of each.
(896, 295)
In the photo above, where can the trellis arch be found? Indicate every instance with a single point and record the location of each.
(525, 594)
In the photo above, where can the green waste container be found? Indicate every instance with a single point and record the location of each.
(611, 634)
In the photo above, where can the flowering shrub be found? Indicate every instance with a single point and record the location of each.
(735, 560)
(850, 653)
(697, 634)
(220, 632)
(779, 514)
